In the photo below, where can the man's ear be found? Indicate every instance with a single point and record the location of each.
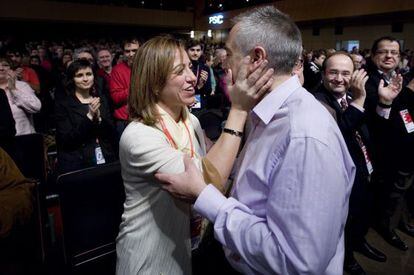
(258, 54)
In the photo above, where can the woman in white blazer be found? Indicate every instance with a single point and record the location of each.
(154, 235)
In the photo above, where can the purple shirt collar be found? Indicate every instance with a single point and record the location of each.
(272, 102)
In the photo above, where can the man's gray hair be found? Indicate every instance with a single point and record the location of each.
(82, 50)
(275, 32)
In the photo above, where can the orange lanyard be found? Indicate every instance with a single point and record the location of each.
(171, 140)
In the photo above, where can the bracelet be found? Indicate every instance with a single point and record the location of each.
(233, 132)
(385, 106)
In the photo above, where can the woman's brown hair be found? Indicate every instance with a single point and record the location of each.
(152, 66)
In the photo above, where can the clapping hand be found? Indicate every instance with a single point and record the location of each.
(389, 93)
(94, 105)
(358, 80)
(19, 73)
(11, 80)
(203, 79)
(250, 85)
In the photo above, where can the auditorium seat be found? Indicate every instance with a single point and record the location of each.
(91, 202)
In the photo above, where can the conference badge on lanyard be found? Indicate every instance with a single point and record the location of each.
(408, 121)
(365, 152)
(98, 154)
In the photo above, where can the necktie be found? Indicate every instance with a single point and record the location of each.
(344, 104)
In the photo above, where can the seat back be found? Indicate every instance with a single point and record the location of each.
(91, 202)
(28, 153)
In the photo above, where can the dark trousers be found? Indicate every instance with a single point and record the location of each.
(209, 257)
(408, 214)
(360, 209)
(392, 198)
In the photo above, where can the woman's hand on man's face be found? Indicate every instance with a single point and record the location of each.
(252, 82)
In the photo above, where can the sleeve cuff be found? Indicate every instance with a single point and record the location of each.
(383, 112)
(358, 107)
(209, 202)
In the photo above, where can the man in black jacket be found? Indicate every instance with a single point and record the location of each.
(312, 71)
(393, 138)
(343, 90)
(200, 69)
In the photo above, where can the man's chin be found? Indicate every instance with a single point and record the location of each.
(339, 92)
(388, 67)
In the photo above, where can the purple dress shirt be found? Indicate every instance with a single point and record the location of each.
(289, 202)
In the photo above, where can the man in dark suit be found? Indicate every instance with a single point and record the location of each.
(343, 90)
(392, 134)
(312, 71)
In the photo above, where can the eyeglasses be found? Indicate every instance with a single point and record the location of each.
(337, 73)
(385, 52)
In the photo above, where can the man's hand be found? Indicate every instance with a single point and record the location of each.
(203, 79)
(389, 93)
(186, 186)
(19, 73)
(11, 80)
(358, 80)
(410, 85)
(250, 85)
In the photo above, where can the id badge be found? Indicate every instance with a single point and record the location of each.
(99, 156)
(367, 160)
(408, 120)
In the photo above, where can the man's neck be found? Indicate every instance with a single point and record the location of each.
(387, 73)
(338, 96)
(279, 79)
(108, 69)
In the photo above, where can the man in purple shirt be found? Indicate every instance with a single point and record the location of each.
(289, 201)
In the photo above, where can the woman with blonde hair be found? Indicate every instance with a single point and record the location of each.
(154, 235)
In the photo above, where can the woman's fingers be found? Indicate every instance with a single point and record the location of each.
(256, 73)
